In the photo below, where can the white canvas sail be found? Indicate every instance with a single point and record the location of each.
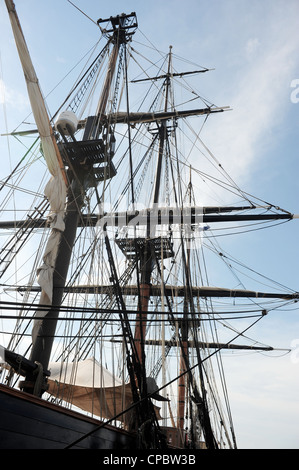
(55, 189)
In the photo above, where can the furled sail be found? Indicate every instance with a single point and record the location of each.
(55, 189)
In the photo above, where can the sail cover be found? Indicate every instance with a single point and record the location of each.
(55, 189)
(92, 388)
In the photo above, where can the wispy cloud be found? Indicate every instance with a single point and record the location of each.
(259, 96)
(12, 97)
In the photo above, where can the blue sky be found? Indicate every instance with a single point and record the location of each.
(253, 47)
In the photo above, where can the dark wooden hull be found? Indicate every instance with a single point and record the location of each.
(27, 422)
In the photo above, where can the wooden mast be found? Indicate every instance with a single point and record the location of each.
(78, 180)
(184, 350)
(147, 257)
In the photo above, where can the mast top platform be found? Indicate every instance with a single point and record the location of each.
(120, 23)
(133, 247)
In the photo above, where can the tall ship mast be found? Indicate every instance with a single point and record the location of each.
(116, 343)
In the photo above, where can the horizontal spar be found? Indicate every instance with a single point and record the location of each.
(157, 216)
(175, 291)
(204, 345)
(142, 117)
(139, 117)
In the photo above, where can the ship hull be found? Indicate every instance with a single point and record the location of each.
(28, 422)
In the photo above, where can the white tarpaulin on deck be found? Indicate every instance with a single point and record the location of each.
(91, 387)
